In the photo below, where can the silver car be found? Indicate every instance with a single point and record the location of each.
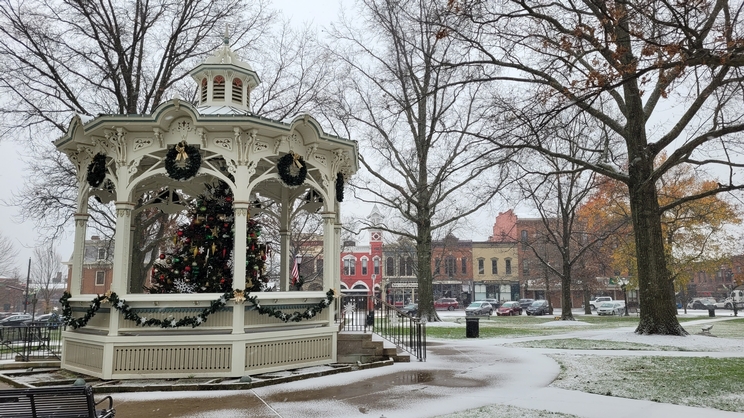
(611, 308)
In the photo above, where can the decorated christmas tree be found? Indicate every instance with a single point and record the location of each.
(199, 259)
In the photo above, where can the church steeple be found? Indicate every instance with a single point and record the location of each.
(375, 218)
(225, 82)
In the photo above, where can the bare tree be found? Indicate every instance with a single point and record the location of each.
(658, 76)
(558, 189)
(76, 57)
(8, 254)
(46, 272)
(404, 109)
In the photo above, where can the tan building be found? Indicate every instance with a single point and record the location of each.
(495, 270)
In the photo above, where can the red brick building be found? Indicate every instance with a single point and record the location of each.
(361, 265)
(98, 264)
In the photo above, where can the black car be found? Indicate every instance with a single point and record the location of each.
(410, 309)
(538, 307)
(525, 303)
(15, 320)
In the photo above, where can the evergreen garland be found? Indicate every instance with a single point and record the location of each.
(339, 187)
(193, 321)
(182, 161)
(284, 166)
(97, 170)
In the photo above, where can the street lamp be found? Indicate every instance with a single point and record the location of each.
(624, 287)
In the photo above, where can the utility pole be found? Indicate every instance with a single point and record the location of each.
(28, 284)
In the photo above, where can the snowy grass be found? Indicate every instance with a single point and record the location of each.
(582, 344)
(506, 411)
(693, 381)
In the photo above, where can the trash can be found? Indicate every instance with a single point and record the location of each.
(711, 311)
(472, 329)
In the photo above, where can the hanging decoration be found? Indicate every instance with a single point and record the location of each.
(289, 164)
(97, 170)
(182, 161)
(193, 321)
(339, 187)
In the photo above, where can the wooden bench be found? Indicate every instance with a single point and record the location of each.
(706, 328)
(56, 401)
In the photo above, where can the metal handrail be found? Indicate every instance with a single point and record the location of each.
(31, 340)
(363, 313)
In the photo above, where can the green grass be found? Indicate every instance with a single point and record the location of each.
(733, 328)
(692, 381)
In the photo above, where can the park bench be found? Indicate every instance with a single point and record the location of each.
(707, 328)
(53, 402)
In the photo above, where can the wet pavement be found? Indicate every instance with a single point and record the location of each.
(458, 375)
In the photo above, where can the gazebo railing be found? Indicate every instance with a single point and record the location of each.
(366, 313)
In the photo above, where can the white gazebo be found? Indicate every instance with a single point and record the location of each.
(123, 160)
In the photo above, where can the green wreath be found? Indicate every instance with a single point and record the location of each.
(190, 165)
(339, 187)
(193, 321)
(97, 170)
(285, 163)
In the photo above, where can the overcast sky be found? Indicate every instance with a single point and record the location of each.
(13, 169)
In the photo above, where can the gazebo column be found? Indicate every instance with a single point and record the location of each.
(122, 248)
(330, 253)
(239, 273)
(78, 254)
(284, 244)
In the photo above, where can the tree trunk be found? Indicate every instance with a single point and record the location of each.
(425, 286)
(658, 312)
(566, 303)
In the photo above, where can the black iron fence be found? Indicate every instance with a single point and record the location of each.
(367, 313)
(31, 341)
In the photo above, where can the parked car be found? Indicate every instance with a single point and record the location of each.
(611, 308)
(410, 309)
(539, 307)
(509, 308)
(50, 318)
(15, 320)
(701, 304)
(449, 304)
(525, 303)
(495, 303)
(479, 307)
(594, 303)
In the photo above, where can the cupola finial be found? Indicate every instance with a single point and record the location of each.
(226, 37)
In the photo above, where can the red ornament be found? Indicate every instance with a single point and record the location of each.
(179, 233)
(162, 256)
(187, 268)
(228, 199)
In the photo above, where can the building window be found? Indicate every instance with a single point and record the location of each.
(100, 278)
(364, 267)
(218, 92)
(507, 266)
(349, 267)
(494, 266)
(204, 90)
(464, 265)
(376, 266)
(390, 267)
(481, 266)
(437, 262)
(101, 253)
(401, 266)
(409, 266)
(524, 239)
(449, 266)
(526, 268)
(319, 266)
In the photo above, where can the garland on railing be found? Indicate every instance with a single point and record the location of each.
(193, 321)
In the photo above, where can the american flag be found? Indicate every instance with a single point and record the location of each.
(295, 272)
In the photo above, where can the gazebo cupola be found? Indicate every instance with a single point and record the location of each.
(225, 82)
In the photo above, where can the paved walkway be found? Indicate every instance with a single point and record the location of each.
(458, 375)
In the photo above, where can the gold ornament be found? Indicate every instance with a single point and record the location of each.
(181, 150)
(239, 296)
